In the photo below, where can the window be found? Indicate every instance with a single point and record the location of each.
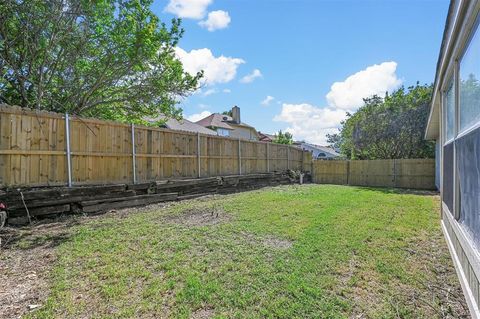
(449, 109)
(469, 97)
(467, 145)
(448, 147)
(448, 178)
(223, 132)
(468, 163)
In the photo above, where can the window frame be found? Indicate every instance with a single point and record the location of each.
(450, 85)
(463, 51)
(224, 132)
(451, 82)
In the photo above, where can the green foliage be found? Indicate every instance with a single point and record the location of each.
(283, 138)
(389, 127)
(469, 97)
(334, 140)
(109, 59)
(229, 113)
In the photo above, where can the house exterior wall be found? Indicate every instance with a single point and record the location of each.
(458, 152)
(315, 151)
(437, 163)
(243, 133)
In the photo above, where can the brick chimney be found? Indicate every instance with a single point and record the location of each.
(236, 114)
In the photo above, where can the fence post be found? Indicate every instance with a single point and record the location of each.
(69, 153)
(288, 157)
(268, 160)
(239, 158)
(199, 174)
(394, 173)
(311, 168)
(303, 159)
(348, 172)
(134, 155)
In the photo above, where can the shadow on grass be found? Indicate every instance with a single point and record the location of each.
(47, 235)
(400, 191)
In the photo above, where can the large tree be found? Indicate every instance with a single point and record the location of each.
(112, 59)
(388, 127)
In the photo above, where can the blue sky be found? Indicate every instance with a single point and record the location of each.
(296, 50)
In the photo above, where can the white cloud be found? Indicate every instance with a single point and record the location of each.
(312, 123)
(193, 9)
(198, 116)
(267, 100)
(216, 20)
(220, 69)
(376, 79)
(227, 91)
(307, 122)
(252, 76)
(209, 92)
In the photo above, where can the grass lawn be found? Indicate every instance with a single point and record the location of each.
(311, 251)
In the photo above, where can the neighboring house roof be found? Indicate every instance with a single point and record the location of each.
(266, 137)
(325, 149)
(216, 120)
(184, 125)
(223, 121)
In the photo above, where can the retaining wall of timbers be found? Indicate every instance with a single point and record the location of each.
(27, 204)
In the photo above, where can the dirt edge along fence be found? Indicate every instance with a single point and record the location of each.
(401, 173)
(34, 151)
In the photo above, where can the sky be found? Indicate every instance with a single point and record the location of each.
(300, 65)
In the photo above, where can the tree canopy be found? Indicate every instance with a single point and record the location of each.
(111, 59)
(283, 138)
(388, 127)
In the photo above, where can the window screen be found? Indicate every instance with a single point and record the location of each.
(469, 84)
(450, 112)
(448, 183)
(468, 163)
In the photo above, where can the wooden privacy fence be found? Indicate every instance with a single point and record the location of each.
(402, 173)
(34, 151)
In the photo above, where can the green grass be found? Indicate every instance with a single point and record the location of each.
(355, 251)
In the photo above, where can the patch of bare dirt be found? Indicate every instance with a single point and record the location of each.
(277, 243)
(202, 216)
(26, 258)
(202, 314)
(268, 241)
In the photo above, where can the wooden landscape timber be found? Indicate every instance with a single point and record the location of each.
(30, 203)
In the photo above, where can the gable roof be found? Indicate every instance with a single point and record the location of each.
(216, 120)
(186, 125)
(183, 125)
(266, 137)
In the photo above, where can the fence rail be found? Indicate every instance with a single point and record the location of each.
(43, 148)
(402, 173)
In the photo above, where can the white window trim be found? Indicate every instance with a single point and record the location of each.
(451, 82)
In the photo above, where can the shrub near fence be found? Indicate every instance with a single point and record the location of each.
(402, 173)
(34, 152)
